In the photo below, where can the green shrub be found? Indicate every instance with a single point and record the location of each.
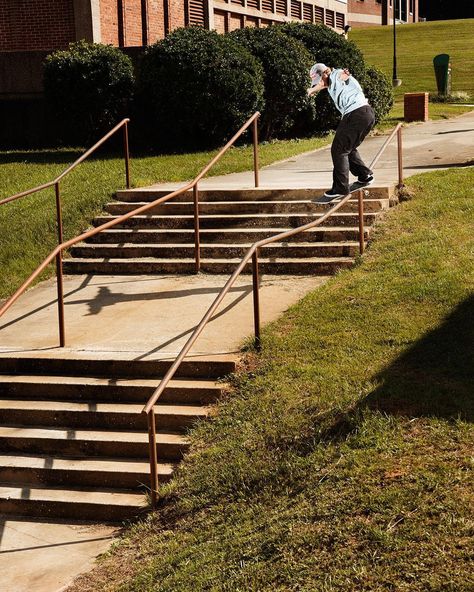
(286, 63)
(327, 46)
(378, 90)
(196, 88)
(88, 88)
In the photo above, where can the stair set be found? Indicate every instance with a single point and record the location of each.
(162, 240)
(73, 438)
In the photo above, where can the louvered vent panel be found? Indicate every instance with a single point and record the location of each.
(281, 6)
(295, 9)
(308, 12)
(197, 12)
(253, 4)
(330, 18)
(318, 14)
(267, 5)
(239, 2)
(340, 20)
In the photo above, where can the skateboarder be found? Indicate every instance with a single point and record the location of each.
(357, 120)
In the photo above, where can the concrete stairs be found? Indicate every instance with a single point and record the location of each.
(162, 240)
(73, 440)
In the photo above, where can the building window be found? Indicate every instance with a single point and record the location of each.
(340, 20)
(319, 14)
(308, 12)
(296, 9)
(330, 18)
(281, 6)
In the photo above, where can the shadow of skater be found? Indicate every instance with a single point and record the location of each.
(435, 377)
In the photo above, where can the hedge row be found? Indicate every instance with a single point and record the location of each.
(195, 88)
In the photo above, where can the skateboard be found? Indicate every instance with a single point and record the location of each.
(354, 187)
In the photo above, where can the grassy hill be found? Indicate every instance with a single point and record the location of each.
(342, 460)
(417, 45)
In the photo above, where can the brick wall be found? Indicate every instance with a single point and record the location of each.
(364, 12)
(156, 19)
(109, 22)
(177, 13)
(36, 24)
(132, 20)
(372, 12)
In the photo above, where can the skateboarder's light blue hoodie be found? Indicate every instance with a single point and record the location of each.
(346, 94)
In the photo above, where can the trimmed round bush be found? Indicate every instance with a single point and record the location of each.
(327, 46)
(286, 63)
(378, 90)
(196, 88)
(88, 88)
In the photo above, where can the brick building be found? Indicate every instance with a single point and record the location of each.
(27, 25)
(363, 13)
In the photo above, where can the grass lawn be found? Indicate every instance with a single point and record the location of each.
(342, 460)
(28, 227)
(417, 45)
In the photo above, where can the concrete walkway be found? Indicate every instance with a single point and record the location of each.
(426, 147)
(144, 317)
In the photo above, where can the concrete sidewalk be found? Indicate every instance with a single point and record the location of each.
(143, 317)
(426, 147)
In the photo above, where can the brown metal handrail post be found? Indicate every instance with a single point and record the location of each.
(256, 300)
(255, 151)
(153, 456)
(126, 154)
(400, 158)
(197, 246)
(59, 269)
(360, 199)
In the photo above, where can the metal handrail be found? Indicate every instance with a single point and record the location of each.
(59, 221)
(123, 123)
(85, 235)
(251, 253)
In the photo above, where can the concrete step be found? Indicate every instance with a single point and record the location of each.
(224, 235)
(79, 503)
(250, 208)
(180, 391)
(307, 266)
(57, 440)
(253, 194)
(209, 367)
(236, 220)
(90, 414)
(83, 472)
(214, 251)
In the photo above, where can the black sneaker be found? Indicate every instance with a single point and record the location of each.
(328, 197)
(365, 181)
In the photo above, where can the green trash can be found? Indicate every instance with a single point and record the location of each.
(442, 69)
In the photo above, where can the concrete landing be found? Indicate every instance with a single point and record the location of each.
(144, 317)
(39, 556)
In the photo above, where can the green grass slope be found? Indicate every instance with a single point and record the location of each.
(342, 461)
(417, 45)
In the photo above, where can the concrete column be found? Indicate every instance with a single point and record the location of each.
(87, 20)
(210, 15)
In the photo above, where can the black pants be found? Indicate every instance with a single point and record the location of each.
(350, 134)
